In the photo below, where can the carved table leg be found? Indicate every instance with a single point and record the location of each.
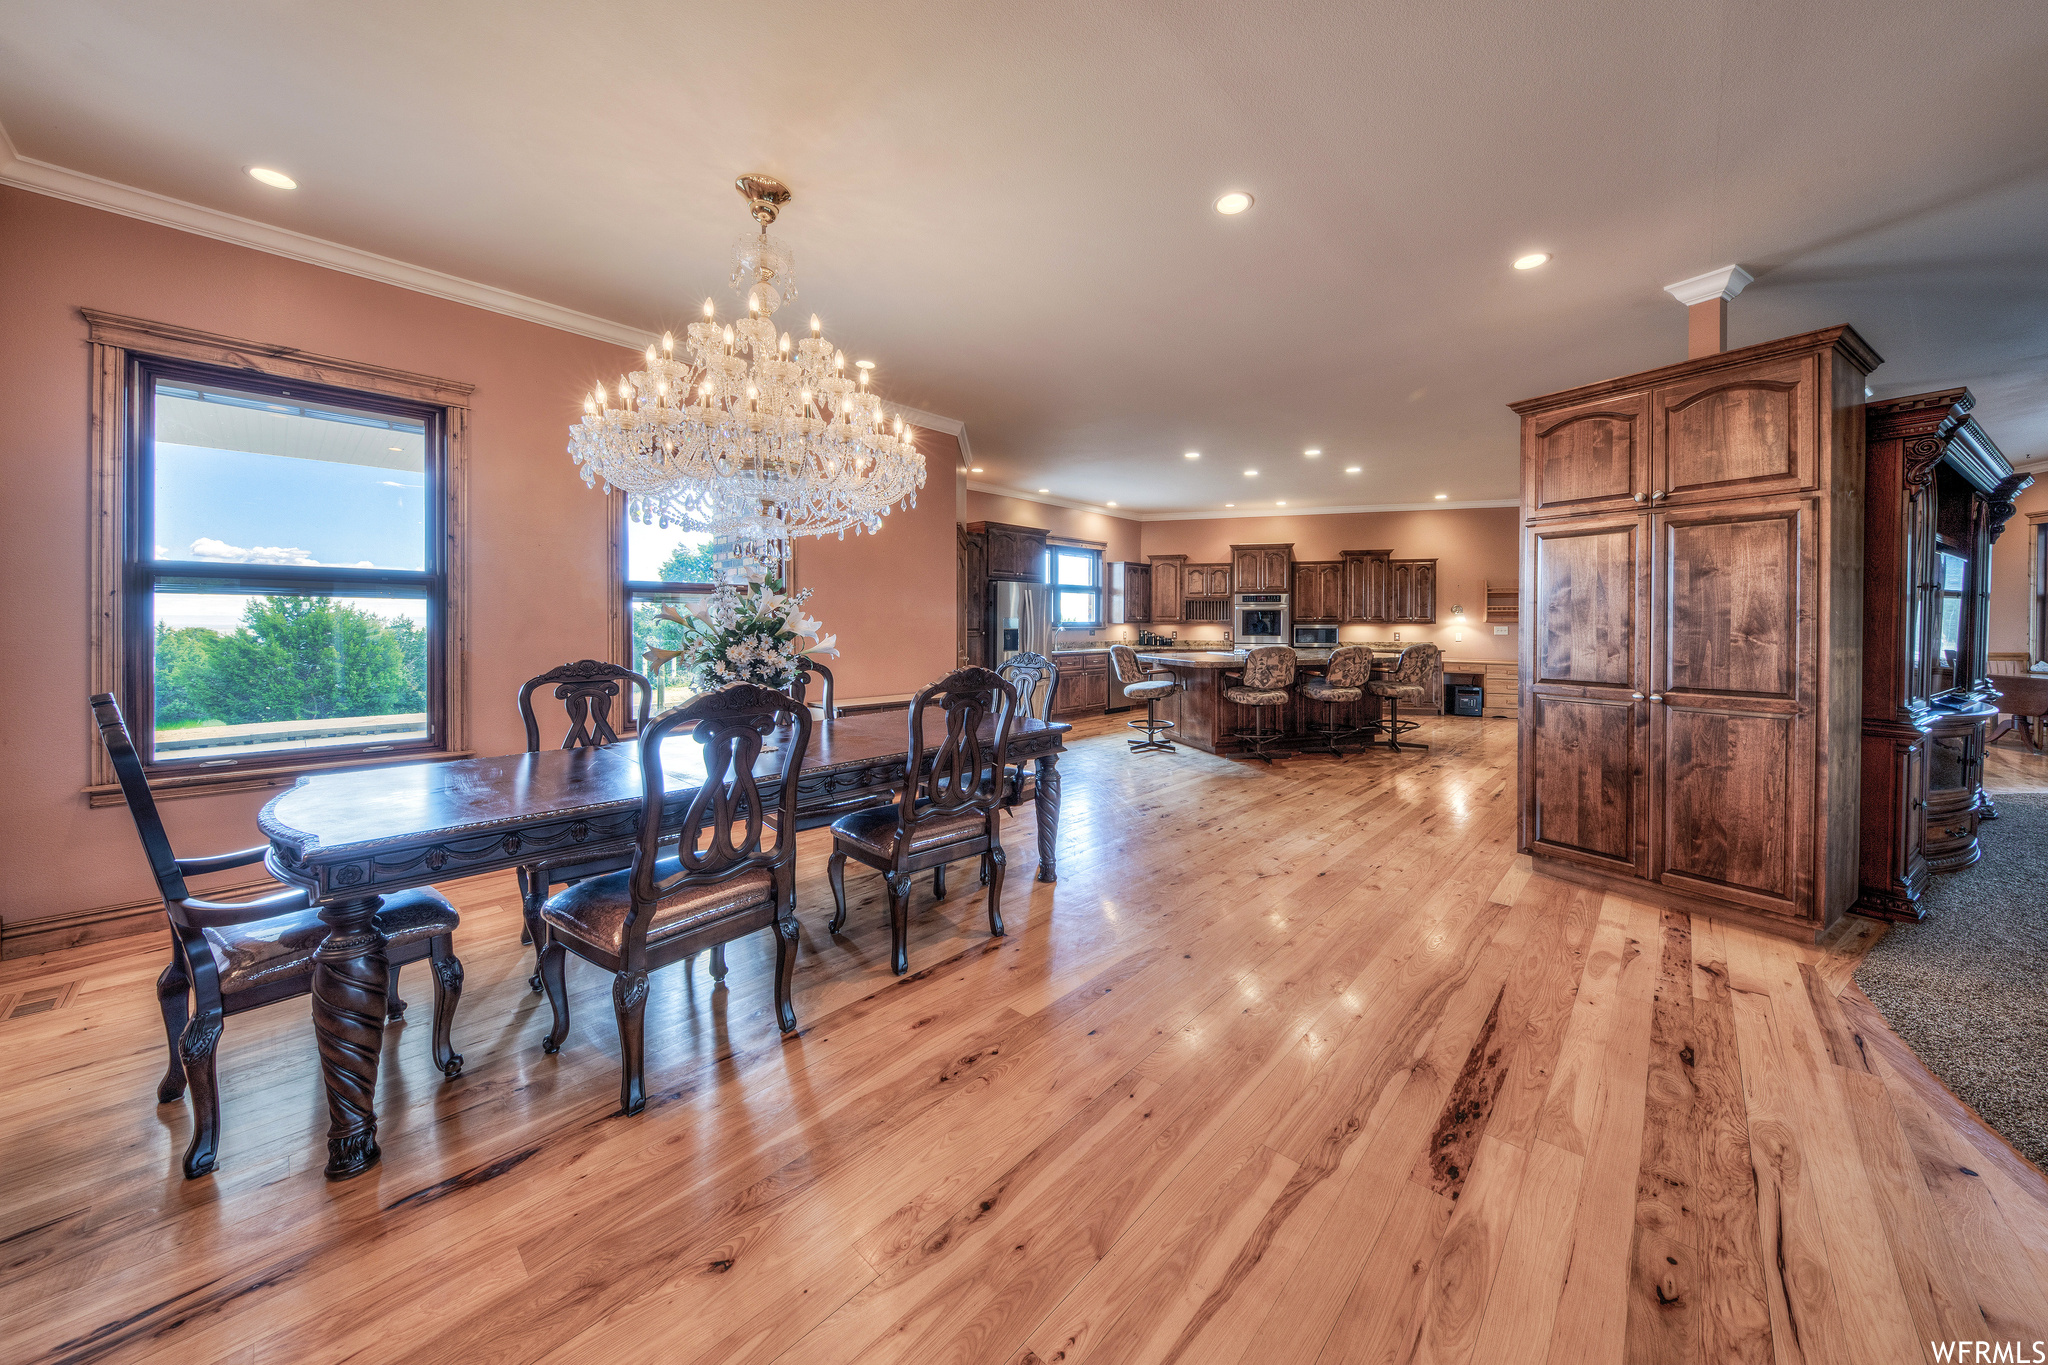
(349, 972)
(1048, 805)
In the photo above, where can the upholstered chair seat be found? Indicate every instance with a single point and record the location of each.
(1267, 681)
(1148, 685)
(1147, 691)
(1319, 688)
(875, 829)
(273, 950)
(1257, 696)
(1408, 680)
(595, 908)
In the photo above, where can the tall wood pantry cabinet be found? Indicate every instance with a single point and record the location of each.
(1692, 616)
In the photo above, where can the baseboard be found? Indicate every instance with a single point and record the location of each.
(1651, 894)
(30, 937)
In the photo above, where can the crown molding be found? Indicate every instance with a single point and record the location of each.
(931, 421)
(1223, 513)
(1724, 283)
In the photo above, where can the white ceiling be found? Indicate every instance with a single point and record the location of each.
(1009, 206)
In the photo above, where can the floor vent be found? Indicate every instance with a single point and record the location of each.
(34, 1000)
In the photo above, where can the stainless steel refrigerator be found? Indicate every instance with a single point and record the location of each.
(1020, 620)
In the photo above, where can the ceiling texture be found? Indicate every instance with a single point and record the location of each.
(1008, 207)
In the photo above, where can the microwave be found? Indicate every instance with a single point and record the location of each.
(1315, 637)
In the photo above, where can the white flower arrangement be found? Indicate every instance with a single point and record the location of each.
(749, 630)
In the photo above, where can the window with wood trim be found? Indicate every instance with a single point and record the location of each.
(276, 542)
(1076, 576)
(658, 566)
(283, 587)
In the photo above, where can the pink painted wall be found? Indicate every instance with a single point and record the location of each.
(1472, 546)
(890, 597)
(2012, 601)
(539, 583)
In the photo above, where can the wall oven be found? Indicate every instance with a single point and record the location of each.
(1262, 618)
(1315, 637)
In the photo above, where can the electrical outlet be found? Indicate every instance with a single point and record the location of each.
(1500, 630)
(1397, 636)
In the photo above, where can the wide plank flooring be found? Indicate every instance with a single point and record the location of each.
(1296, 1064)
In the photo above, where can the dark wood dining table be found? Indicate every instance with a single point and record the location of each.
(350, 838)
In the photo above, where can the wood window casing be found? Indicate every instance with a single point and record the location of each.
(123, 351)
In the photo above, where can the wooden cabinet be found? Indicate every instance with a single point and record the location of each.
(1084, 684)
(1130, 593)
(1366, 581)
(1167, 583)
(1319, 592)
(1411, 591)
(1502, 686)
(1016, 554)
(1936, 486)
(1207, 582)
(971, 588)
(1260, 568)
(1684, 730)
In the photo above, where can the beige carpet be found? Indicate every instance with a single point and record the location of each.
(1967, 987)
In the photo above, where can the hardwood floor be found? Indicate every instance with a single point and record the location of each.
(1292, 1065)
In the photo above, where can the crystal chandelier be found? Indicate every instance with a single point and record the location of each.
(748, 435)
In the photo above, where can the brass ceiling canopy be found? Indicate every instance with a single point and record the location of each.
(764, 194)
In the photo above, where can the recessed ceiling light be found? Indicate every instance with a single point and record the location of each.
(1312, 453)
(1230, 504)
(1281, 503)
(395, 449)
(1237, 201)
(277, 180)
(1251, 473)
(864, 364)
(976, 470)
(1532, 260)
(1351, 468)
(1441, 496)
(1045, 490)
(1109, 504)
(1194, 455)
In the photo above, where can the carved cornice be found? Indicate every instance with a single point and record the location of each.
(1921, 459)
(1842, 339)
(2000, 508)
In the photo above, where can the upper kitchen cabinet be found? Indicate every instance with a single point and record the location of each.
(1411, 591)
(1318, 592)
(1367, 577)
(1168, 577)
(1015, 554)
(1207, 581)
(1261, 568)
(1130, 593)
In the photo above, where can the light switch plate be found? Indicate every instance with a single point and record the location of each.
(1500, 630)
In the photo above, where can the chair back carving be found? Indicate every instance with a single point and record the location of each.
(966, 771)
(1035, 678)
(149, 827)
(722, 829)
(587, 687)
(1415, 666)
(805, 667)
(1349, 667)
(1269, 668)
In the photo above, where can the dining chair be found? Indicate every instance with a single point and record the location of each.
(1407, 680)
(805, 667)
(1035, 678)
(945, 811)
(228, 957)
(1264, 684)
(587, 689)
(715, 883)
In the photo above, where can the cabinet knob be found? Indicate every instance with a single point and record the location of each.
(1639, 497)
(1637, 695)
(1656, 696)
(1657, 496)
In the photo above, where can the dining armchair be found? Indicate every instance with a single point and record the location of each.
(949, 810)
(709, 887)
(229, 957)
(586, 689)
(1036, 680)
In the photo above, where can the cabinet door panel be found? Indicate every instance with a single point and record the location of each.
(1733, 586)
(1738, 433)
(1587, 459)
(1585, 603)
(1585, 780)
(1729, 794)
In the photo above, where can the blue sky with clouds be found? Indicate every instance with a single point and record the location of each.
(243, 507)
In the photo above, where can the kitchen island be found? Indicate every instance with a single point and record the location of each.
(1203, 718)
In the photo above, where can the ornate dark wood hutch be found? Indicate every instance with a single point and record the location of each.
(1938, 494)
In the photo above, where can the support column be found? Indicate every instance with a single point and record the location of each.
(1706, 308)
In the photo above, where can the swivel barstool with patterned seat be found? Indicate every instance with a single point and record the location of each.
(1266, 682)
(1341, 683)
(1407, 680)
(1150, 686)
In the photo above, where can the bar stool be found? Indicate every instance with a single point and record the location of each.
(1266, 682)
(1150, 686)
(1341, 683)
(1407, 680)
